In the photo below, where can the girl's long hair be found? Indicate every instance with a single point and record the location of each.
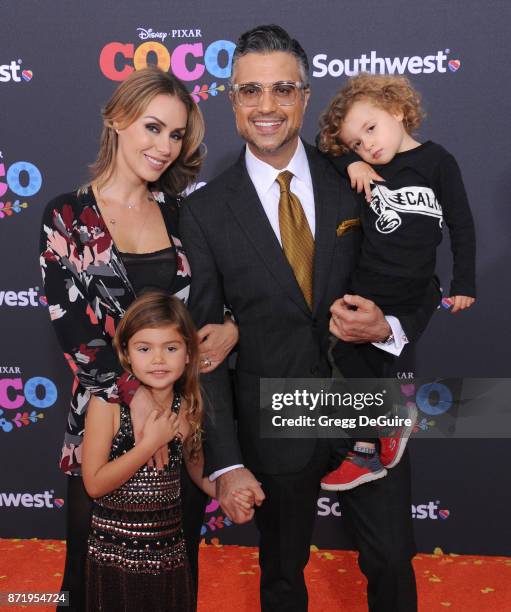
(155, 309)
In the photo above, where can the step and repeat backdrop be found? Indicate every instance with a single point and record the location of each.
(59, 63)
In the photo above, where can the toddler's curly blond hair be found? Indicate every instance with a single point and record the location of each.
(389, 92)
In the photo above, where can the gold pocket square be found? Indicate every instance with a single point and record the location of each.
(347, 226)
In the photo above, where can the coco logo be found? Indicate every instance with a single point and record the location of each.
(38, 391)
(22, 178)
(118, 60)
(432, 399)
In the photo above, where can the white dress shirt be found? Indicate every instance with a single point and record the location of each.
(264, 178)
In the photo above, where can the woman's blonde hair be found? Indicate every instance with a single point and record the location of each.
(127, 104)
(391, 93)
(154, 309)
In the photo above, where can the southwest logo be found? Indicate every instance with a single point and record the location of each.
(11, 72)
(29, 297)
(29, 500)
(430, 510)
(372, 62)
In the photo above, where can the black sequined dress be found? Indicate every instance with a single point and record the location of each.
(136, 559)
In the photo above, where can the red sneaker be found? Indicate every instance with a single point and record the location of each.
(353, 471)
(393, 446)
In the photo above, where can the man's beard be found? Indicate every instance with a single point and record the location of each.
(269, 149)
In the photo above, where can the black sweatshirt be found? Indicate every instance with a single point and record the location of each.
(403, 226)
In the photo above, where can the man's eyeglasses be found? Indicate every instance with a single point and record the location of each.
(284, 93)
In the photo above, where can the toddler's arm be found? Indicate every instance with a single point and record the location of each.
(458, 218)
(357, 171)
(361, 175)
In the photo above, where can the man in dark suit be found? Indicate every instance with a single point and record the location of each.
(234, 234)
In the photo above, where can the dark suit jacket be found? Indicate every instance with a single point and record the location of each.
(237, 260)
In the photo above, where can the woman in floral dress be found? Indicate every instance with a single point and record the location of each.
(106, 243)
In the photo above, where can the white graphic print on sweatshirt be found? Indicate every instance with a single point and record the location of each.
(388, 203)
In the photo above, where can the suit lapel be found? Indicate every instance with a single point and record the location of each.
(326, 205)
(249, 212)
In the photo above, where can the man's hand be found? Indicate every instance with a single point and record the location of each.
(355, 319)
(216, 342)
(226, 485)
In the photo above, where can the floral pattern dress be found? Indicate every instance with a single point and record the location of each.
(88, 291)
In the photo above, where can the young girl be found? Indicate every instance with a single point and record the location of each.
(136, 552)
(419, 187)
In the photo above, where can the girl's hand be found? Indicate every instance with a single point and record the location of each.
(141, 406)
(159, 429)
(460, 302)
(216, 342)
(361, 175)
(244, 498)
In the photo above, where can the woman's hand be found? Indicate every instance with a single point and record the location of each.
(216, 342)
(361, 175)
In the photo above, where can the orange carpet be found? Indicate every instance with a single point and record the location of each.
(230, 574)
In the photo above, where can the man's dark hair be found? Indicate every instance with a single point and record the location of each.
(268, 38)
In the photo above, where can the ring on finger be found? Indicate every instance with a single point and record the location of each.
(206, 362)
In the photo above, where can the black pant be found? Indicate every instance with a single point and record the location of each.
(378, 514)
(285, 522)
(78, 517)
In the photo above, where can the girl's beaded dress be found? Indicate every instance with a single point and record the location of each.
(136, 558)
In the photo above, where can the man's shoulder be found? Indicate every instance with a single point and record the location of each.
(323, 171)
(221, 182)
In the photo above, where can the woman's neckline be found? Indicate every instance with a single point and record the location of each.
(114, 244)
(142, 255)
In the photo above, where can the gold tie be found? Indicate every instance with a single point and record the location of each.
(296, 236)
